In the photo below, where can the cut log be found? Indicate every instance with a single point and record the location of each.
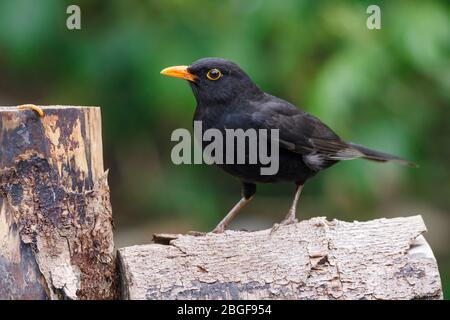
(313, 259)
(56, 237)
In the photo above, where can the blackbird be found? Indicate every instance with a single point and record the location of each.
(228, 99)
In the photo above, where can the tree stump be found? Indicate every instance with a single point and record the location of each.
(313, 259)
(56, 238)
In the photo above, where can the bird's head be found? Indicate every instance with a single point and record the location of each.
(215, 81)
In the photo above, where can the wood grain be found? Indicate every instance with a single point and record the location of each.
(313, 259)
(55, 215)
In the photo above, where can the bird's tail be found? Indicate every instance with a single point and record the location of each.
(380, 156)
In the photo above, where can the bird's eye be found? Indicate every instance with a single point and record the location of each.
(214, 74)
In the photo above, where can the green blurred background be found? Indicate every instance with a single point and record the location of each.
(387, 89)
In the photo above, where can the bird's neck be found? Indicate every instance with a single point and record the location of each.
(239, 94)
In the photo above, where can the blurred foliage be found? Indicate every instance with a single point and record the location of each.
(387, 89)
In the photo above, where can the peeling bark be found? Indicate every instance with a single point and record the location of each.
(313, 259)
(55, 213)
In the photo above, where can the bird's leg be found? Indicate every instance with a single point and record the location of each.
(33, 107)
(230, 215)
(248, 190)
(290, 217)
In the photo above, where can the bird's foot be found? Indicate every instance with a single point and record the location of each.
(290, 219)
(219, 229)
(32, 107)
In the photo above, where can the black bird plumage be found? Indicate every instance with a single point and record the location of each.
(234, 101)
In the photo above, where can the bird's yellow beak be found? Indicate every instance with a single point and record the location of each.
(179, 72)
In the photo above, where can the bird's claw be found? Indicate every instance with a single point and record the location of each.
(218, 229)
(32, 107)
(290, 219)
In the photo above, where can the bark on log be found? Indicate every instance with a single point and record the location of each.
(314, 259)
(55, 215)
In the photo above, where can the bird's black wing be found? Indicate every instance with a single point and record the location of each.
(302, 133)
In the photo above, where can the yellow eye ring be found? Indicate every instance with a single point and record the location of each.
(214, 74)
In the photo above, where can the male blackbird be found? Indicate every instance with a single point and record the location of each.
(228, 99)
